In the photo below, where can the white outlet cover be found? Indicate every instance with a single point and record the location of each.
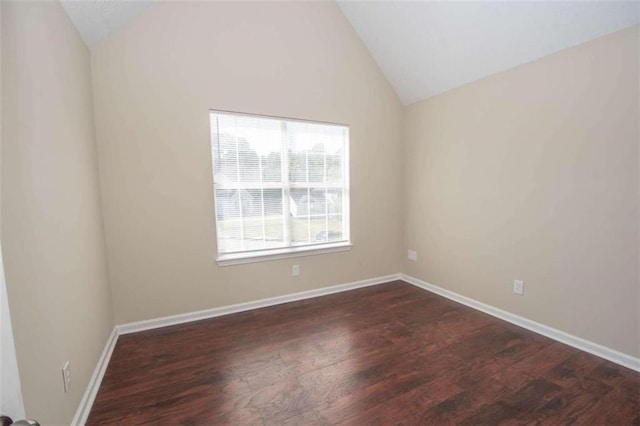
(518, 287)
(412, 255)
(295, 271)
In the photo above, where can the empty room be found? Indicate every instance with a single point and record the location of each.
(320, 212)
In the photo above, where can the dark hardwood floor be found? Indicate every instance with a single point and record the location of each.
(382, 355)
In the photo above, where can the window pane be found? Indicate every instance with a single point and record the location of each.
(316, 163)
(247, 149)
(227, 204)
(308, 201)
(229, 239)
(313, 230)
(334, 167)
(271, 166)
(273, 202)
(333, 231)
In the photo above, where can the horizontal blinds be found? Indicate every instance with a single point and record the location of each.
(278, 183)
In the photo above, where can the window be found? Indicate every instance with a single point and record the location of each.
(281, 186)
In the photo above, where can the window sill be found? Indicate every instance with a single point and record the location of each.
(240, 258)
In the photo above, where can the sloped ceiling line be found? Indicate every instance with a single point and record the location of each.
(428, 47)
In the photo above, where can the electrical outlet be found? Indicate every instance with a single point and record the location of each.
(518, 287)
(295, 271)
(412, 255)
(66, 376)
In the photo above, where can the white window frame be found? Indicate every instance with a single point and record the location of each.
(290, 251)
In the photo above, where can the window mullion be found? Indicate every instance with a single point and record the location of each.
(346, 190)
(326, 192)
(309, 203)
(286, 207)
(264, 220)
(239, 191)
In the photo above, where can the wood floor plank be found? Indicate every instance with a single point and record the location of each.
(386, 354)
(570, 405)
(465, 403)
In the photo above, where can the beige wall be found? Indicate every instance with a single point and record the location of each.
(52, 235)
(529, 174)
(532, 174)
(154, 83)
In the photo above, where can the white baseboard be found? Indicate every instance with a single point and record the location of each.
(94, 384)
(96, 379)
(577, 342)
(89, 397)
(133, 327)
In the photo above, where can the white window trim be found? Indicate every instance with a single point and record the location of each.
(284, 253)
(245, 257)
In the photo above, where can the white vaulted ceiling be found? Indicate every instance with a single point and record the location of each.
(428, 47)
(97, 19)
